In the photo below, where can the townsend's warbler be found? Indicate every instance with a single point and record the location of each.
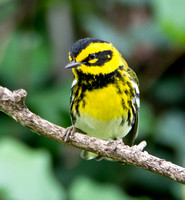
(104, 94)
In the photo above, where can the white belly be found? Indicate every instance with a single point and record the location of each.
(106, 130)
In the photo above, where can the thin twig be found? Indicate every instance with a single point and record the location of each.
(13, 104)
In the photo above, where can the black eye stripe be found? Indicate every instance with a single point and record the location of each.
(102, 56)
(105, 55)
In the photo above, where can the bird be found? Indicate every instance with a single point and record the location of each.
(104, 101)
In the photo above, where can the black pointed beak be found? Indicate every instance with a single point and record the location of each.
(72, 64)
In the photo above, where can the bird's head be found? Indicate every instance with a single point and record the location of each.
(94, 56)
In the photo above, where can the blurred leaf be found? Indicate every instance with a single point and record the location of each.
(26, 173)
(136, 2)
(8, 9)
(84, 188)
(154, 184)
(107, 32)
(53, 103)
(169, 90)
(170, 16)
(171, 130)
(148, 34)
(27, 56)
(2, 1)
(147, 119)
(6, 122)
(126, 41)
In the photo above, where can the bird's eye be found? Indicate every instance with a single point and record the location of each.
(92, 56)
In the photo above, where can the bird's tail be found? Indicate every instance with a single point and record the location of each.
(89, 155)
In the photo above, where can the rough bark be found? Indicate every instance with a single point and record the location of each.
(13, 104)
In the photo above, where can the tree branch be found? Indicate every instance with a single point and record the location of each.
(13, 104)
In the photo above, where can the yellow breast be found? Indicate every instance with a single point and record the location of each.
(103, 104)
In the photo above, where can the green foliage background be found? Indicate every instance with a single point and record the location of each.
(35, 37)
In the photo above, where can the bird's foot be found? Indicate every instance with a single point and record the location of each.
(69, 132)
(115, 143)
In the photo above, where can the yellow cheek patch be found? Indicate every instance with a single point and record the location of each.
(108, 67)
(93, 61)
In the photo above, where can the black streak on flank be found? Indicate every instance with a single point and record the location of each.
(131, 91)
(73, 118)
(82, 44)
(129, 118)
(123, 104)
(122, 121)
(126, 92)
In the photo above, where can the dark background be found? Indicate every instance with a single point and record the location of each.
(35, 37)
